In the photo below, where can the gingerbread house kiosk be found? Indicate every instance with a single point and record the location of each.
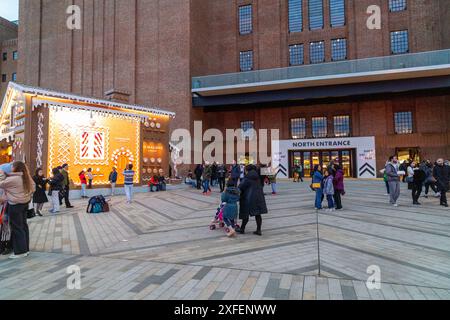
(46, 129)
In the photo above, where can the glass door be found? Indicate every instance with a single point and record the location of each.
(325, 160)
(307, 164)
(346, 163)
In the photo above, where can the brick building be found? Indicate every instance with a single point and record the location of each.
(312, 68)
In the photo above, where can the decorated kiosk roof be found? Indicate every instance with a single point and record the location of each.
(16, 97)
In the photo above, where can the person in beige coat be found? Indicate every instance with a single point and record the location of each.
(18, 188)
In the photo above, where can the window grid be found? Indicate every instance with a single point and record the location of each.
(15, 55)
(298, 128)
(296, 56)
(337, 13)
(317, 52)
(397, 5)
(399, 42)
(403, 122)
(315, 14)
(295, 16)
(319, 127)
(339, 49)
(245, 127)
(246, 60)
(342, 126)
(245, 19)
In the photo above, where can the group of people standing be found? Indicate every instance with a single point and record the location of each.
(329, 184)
(417, 175)
(210, 175)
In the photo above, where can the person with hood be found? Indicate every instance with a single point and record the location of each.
(198, 175)
(441, 173)
(39, 195)
(338, 184)
(393, 179)
(207, 171)
(328, 188)
(56, 186)
(230, 212)
(235, 172)
(316, 185)
(252, 200)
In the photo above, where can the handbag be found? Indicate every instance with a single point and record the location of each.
(316, 185)
(410, 179)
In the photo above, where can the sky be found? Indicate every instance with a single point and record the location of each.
(9, 9)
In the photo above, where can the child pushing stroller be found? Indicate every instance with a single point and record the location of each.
(227, 212)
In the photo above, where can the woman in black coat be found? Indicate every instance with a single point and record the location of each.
(39, 196)
(252, 202)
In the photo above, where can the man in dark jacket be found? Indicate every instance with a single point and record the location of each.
(235, 172)
(221, 175)
(441, 173)
(198, 175)
(66, 184)
(252, 202)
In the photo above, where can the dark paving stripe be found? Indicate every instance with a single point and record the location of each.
(406, 264)
(155, 210)
(251, 250)
(64, 264)
(202, 273)
(217, 295)
(154, 279)
(84, 247)
(195, 198)
(6, 273)
(386, 238)
(127, 222)
(348, 293)
(272, 288)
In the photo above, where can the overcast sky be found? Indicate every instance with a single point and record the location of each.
(9, 9)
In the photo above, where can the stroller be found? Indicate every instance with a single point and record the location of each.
(218, 222)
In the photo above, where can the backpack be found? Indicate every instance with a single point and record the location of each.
(97, 205)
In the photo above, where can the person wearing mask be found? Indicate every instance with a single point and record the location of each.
(83, 183)
(338, 183)
(252, 200)
(90, 177)
(198, 175)
(39, 195)
(66, 185)
(441, 173)
(129, 182)
(18, 187)
(56, 183)
(221, 175)
(316, 185)
(113, 180)
(417, 182)
(393, 179)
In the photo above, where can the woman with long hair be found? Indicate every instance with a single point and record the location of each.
(18, 187)
(39, 196)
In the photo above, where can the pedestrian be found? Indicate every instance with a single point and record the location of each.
(230, 199)
(18, 187)
(441, 173)
(213, 174)
(153, 183)
(90, 177)
(430, 182)
(417, 182)
(241, 172)
(198, 175)
(328, 188)
(316, 186)
(273, 182)
(56, 186)
(235, 172)
(338, 184)
(252, 201)
(66, 184)
(83, 183)
(39, 195)
(162, 183)
(207, 171)
(129, 181)
(403, 167)
(301, 173)
(113, 180)
(221, 176)
(393, 179)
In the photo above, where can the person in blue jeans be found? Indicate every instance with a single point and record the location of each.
(317, 178)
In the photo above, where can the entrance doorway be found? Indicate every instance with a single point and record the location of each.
(405, 154)
(308, 159)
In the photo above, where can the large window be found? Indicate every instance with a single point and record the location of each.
(245, 19)
(338, 49)
(296, 54)
(403, 122)
(397, 5)
(295, 16)
(246, 60)
(315, 14)
(317, 52)
(399, 42)
(341, 126)
(246, 127)
(15, 55)
(319, 127)
(298, 128)
(337, 13)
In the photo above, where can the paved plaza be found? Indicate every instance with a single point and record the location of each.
(160, 247)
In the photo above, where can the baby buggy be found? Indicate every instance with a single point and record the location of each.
(218, 222)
